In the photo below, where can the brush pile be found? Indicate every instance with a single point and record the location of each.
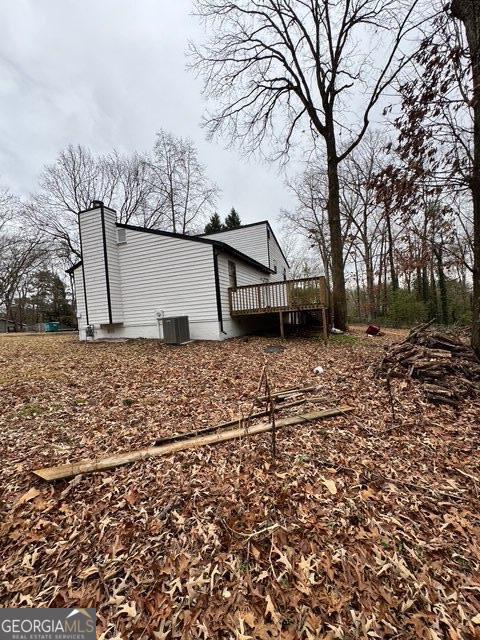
(448, 369)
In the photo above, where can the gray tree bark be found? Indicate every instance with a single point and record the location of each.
(468, 11)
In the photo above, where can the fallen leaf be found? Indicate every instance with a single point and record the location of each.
(129, 609)
(29, 495)
(89, 571)
(331, 486)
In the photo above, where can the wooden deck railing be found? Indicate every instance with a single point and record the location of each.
(268, 297)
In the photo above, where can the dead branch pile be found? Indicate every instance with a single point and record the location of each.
(448, 369)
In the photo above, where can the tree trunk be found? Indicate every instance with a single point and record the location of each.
(357, 283)
(418, 282)
(442, 286)
(324, 254)
(371, 306)
(378, 303)
(339, 296)
(432, 304)
(385, 286)
(391, 258)
(425, 290)
(468, 11)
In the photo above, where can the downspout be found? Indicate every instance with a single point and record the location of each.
(74, 297)
(217, 291)
(105, 258)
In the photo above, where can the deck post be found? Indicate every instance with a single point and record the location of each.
(282, 330)
(324, 325)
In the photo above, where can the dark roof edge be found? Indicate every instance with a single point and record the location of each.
(73, 267)
(226, 248)
(242, 226)
(251, 224)
(223, 246)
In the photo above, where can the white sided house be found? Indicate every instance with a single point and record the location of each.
(227, 284)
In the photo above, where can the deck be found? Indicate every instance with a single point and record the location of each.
(303, 294)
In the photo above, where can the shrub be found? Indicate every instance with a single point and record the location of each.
(404, 309)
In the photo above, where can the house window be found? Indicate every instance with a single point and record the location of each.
(121, 236)
(284, 273)
(232, 274)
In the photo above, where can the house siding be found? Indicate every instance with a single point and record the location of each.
(246, 275)
(114, 270)
(252, 241)
(148, 276)
(277, 260)
(171, 276)
(94, 266)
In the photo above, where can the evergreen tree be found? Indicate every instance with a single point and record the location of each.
(232, 221)
(49, 298)
(214, 224)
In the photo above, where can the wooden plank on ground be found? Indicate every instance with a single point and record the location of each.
(239, 421)
(284, 393)
(88, 466)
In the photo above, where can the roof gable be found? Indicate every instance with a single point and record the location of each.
(246, 226)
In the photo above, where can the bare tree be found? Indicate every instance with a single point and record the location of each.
(71, 183)
(302, 257)
(468, 11)
(462, 250)
(185, 196)
(276, 65)
(309, 217)
(130, 189)
(366, 218)
(361, 216)
(21, 255)
(435, 118)
(439, 124)
(8, 206)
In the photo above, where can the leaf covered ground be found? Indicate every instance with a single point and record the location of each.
(364, 526)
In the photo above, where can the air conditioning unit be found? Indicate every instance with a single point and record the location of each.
(176, 330)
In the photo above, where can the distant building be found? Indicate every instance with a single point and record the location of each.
(6, 325)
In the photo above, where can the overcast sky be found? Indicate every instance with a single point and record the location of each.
(110, 73)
